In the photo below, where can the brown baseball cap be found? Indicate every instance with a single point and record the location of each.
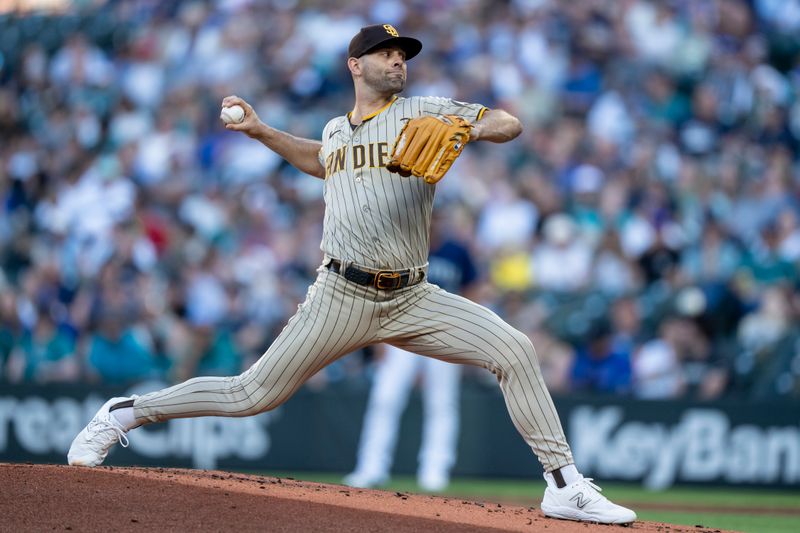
(370, 38)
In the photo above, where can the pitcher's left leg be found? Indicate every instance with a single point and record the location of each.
(445, 326)
(433, 322)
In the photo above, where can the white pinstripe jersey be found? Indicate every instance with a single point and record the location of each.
(373, 217)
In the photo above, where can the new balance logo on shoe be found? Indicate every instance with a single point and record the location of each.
(580, 500)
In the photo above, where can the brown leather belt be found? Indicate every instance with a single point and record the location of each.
(385, 280)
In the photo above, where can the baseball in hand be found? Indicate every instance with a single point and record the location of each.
(232, 115)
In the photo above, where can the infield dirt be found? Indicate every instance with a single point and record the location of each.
(57, 497)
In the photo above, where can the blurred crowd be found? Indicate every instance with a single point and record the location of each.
(644, 229)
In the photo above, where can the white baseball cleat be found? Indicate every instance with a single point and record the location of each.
(433, 481)
(364, 481)
(91, 446)
(582, 501)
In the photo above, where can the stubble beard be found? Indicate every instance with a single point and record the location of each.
(383, 83)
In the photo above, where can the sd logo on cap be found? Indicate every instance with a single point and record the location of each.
(371, 38)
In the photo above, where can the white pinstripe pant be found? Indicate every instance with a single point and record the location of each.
(339, 317)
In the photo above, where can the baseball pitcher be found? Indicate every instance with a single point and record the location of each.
(380, 163)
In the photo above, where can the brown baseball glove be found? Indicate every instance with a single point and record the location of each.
(427, 146)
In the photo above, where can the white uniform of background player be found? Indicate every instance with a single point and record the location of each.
(449, 266)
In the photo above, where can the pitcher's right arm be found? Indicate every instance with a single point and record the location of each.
(303, 154)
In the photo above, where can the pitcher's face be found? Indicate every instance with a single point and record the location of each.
(384, 70)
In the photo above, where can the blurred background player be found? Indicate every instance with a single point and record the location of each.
(451, 267)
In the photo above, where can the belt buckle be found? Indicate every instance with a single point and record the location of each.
(384, 275)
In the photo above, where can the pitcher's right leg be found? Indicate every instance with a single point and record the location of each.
(335, 319)
(332, 322)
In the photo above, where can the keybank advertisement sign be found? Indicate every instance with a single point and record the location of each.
(657, 443)
(704, 445)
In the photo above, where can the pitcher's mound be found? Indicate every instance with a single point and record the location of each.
(56, 497)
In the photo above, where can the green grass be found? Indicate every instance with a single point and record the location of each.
(728, 497)
(688, 501)
(749, 523)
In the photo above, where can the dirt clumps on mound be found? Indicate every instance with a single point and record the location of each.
(56, 497)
